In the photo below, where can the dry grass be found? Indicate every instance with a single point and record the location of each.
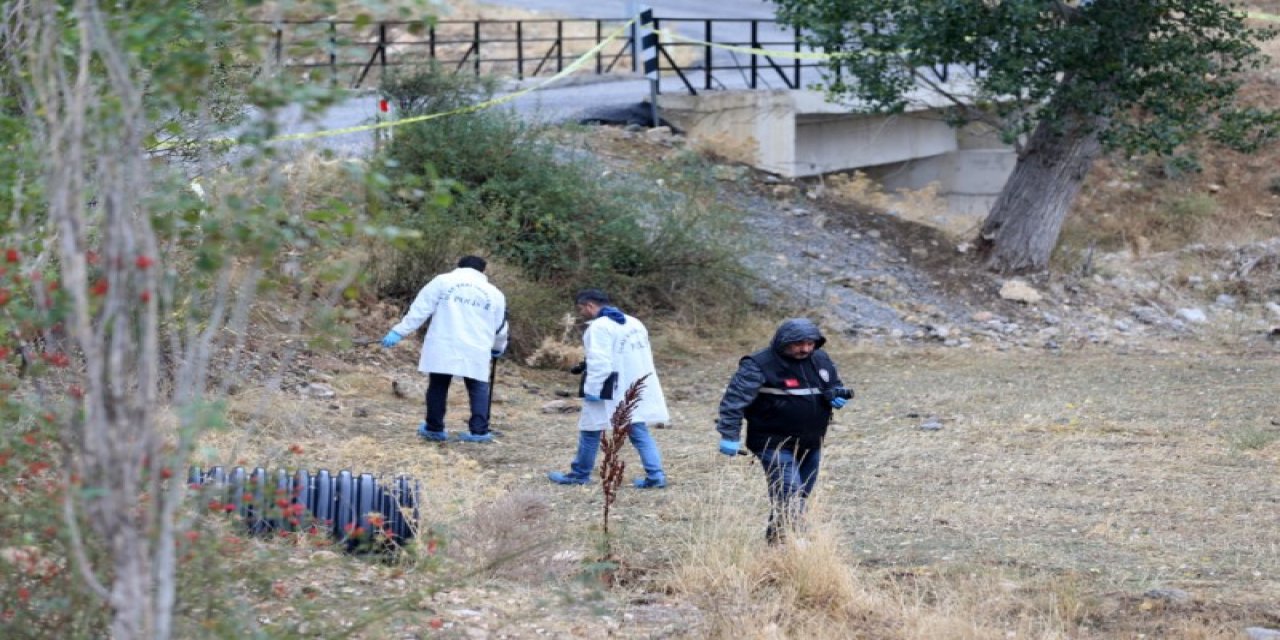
(923, 206)
(809, 590)
(1050, 502)
(514, 537)
(1061, 489)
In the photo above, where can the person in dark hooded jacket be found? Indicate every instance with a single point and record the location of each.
(786, 393)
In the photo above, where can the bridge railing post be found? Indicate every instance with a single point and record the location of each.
(796, 62)
(333, 53)
(707, 55)
(600, 53)
(559, 45)
(519, 50)
(633, 11)
(382, 50)
(755, 44)
(476, 46)
(279, 49)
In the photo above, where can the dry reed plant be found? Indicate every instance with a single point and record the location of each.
(513, 537)
(557, 353)
(613, 468)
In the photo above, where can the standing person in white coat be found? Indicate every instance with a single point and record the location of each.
(468, 328)
(618, 354)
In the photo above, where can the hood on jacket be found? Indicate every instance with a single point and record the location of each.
(613, 314)
(796, 330)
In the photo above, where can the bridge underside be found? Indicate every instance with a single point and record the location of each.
(799, 134)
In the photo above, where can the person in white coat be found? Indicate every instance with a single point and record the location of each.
(468, 329)
(618, 354)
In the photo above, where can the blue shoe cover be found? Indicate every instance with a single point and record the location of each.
(564, 478)
(434, 436)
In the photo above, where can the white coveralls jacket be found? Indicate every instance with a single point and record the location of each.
(622, 349)
(468, 320)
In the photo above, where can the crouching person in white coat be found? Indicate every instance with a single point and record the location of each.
(468, 328)
(618, 354)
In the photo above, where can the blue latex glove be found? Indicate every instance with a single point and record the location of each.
(729, 447)
(591, 398)
(839, 402)
(391, 339)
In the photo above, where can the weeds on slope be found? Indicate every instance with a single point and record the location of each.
(552, 219)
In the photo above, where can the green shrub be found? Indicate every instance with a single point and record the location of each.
(434, 91)
(535, 203)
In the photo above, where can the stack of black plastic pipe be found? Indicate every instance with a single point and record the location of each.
(341, 505)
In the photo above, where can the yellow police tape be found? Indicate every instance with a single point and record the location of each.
(572, 66)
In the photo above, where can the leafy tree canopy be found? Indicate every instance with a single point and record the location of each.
(1150, 73)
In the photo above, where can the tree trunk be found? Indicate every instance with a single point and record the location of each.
(131, 593)
(1022, 229)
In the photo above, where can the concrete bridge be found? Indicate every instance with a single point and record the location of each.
(750, 106)
(799, 133)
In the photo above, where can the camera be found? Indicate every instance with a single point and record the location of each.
(838, 392)
(579, 369)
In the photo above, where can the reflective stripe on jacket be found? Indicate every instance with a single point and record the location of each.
(790, 407)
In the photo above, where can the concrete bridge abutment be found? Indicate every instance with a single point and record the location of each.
(799, 134)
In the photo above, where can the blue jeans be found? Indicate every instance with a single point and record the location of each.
(589, 443)
(438, 396)
(792, 477)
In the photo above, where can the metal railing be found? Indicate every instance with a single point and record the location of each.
(754, 69)
(348, 52)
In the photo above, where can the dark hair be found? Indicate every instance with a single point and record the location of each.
(591, 295)
(472, 262)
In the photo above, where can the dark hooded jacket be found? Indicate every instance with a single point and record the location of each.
(785, 402)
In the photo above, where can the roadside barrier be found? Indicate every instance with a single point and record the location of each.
(361, 512)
